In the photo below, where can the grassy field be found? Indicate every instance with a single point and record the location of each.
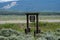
(12, 17)
(53, 17)
(43, 26)
(23, 17)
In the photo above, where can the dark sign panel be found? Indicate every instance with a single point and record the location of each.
(32, 18)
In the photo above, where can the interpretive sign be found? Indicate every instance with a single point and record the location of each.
(32, 18)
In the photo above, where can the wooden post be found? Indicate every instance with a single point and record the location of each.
(37, 23)
(27, 30)
(27, 21)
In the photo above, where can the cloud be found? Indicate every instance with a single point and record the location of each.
(9, 5)
(1, 1)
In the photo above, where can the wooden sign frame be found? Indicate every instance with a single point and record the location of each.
(34, 20)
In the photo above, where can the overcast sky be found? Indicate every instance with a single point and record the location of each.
(30, 5)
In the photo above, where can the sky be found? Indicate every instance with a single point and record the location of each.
(31, 5)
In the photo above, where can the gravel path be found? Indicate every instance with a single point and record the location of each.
(24, 21)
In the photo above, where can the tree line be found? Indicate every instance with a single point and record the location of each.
(23, 13)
